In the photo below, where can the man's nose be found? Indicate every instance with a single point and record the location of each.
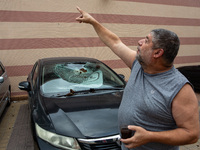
(140, 42)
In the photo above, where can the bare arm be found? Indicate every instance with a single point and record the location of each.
(186, 114)
(109, 38)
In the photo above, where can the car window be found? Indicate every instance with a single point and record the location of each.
(1, 70)
(58, 78)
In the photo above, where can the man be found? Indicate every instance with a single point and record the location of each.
(158, 104)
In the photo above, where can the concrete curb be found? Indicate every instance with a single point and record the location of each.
(19, 98)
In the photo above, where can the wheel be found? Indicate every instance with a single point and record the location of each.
(8, 98)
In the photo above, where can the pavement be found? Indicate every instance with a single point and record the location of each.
(7, 122)
(15, 131)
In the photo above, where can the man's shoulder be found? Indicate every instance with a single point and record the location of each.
(135, 64)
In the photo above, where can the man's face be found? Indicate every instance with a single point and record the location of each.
(145, 51)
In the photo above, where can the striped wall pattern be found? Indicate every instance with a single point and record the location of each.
(30, 30)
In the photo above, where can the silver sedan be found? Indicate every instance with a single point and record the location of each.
(5, 89)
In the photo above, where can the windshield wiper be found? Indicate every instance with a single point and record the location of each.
(102, 89)
(91, 90)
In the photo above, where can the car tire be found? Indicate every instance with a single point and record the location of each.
(8, 98)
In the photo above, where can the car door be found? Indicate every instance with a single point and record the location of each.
(3, 87)
(33, 78)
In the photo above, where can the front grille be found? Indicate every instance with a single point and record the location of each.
(106, 146)
(104, 143)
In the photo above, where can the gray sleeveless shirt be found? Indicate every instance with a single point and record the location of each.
(147, 102)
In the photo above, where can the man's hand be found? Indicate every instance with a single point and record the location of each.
(140, 137)
(84, 17)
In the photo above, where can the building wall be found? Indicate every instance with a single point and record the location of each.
(34, 29)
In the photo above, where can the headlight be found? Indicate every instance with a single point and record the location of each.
(57, 140)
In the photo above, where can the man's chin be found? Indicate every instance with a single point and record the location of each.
(139, 59)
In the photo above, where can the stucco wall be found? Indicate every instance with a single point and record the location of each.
(33, 29)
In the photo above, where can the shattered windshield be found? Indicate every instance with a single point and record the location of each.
(77, 76)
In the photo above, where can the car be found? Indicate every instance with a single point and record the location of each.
(5, 89)
(74, 103)
(192, 73)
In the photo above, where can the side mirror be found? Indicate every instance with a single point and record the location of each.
(24, 85)
(122, 76)
(1, 79)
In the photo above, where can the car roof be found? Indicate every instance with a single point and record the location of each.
(66, 59)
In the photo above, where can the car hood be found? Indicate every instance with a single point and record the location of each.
(88, 116)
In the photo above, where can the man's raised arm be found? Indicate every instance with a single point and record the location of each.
(109, 38)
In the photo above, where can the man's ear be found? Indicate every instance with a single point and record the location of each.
(158, 53)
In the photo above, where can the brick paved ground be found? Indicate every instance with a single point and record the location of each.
(21, 137)
(7, 123)
(15, 123)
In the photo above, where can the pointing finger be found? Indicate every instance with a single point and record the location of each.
(78, 8)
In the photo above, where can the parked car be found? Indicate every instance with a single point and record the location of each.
(5, 89)
(192, 73)
(74, 103)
